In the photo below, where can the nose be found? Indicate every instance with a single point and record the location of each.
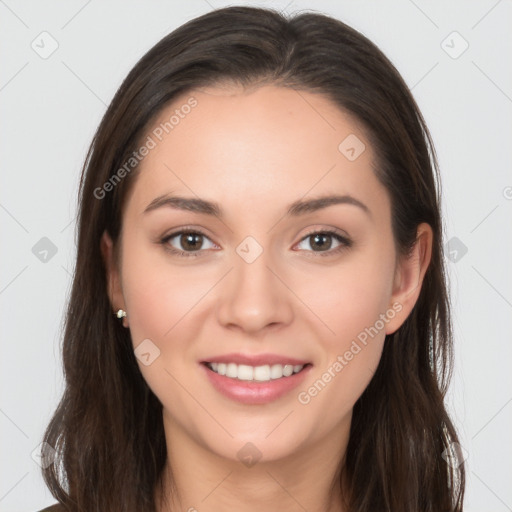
(255, 297)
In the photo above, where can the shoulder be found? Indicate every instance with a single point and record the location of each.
(57, 507)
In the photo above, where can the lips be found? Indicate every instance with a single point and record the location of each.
(255, 389)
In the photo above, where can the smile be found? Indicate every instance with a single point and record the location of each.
(254, 385)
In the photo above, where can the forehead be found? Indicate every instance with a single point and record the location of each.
(269, 144)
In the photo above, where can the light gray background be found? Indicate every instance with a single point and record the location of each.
(51, 107)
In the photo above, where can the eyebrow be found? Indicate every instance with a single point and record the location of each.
(297, 208)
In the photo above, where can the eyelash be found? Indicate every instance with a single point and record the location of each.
(345, 242)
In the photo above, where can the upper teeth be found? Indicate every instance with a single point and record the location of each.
(259, 373)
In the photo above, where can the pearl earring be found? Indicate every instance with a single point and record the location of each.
(120, 314)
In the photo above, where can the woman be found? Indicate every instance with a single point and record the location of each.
(259, 317)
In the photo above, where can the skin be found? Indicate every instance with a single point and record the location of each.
(255, 152)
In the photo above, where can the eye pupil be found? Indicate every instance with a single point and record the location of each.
(191, 240)
(320, 236)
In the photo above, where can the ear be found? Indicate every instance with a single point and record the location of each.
(409, 276)
(114, 290)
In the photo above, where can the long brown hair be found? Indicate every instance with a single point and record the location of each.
(108, 429)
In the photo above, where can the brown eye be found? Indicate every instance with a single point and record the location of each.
(190, 243)
(322, 242)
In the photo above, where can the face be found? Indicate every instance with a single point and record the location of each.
(316, 284)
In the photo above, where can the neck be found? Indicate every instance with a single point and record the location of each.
(196, 479)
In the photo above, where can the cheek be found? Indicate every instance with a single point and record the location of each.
(160, 295)
(164, 306)
(335, 388)
(355, 309)
(351, 305)
(349, 297)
